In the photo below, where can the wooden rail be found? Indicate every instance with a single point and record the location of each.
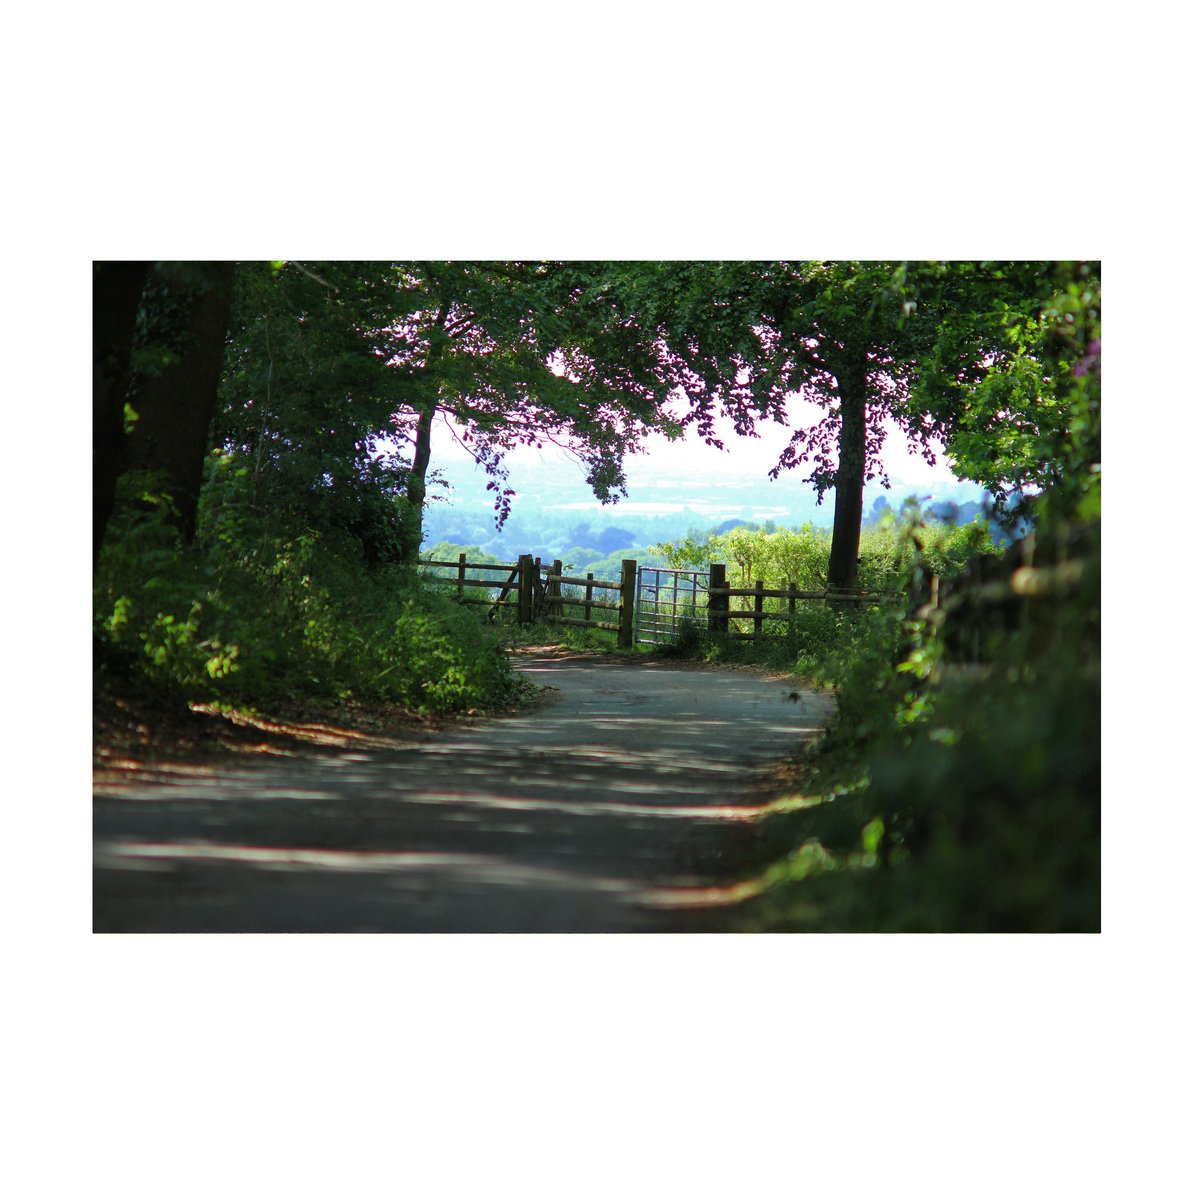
(536, 591)
(720, 613)
(793, 593)
(553, 609)
(462, 581)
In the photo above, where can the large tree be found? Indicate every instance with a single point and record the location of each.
(333, 360)
(869, 342)
(183, 317)
(158, 340)
(516, 353)
(305, 405)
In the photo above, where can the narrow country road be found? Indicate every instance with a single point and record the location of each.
(606, 810)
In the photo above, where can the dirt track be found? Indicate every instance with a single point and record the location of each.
(614, 808)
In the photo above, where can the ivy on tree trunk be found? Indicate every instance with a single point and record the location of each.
(175, 407)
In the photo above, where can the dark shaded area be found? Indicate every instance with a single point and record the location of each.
(116, 290)
(176, 404)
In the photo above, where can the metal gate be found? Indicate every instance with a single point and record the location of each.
(667, 602)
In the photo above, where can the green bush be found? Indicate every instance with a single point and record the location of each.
(248, 617)
(961, 797)
(784, 556)
(821, 642)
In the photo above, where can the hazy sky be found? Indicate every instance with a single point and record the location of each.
(743, 456)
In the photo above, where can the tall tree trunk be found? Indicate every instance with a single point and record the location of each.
(176, 409)
(851, 473)
(415, 494)
(116, 290)
(423, 443)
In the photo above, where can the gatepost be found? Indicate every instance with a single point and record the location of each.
(628, 600)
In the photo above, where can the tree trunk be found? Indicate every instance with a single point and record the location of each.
(848, 485)
(176, 409)
(415, 494)
(116, 290)
(422, 444)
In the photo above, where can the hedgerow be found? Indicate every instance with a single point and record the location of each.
(248, 615)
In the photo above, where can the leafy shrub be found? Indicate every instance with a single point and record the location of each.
(798, 556)
(976, 790)
(830, 644)
(689, 639)
(248, 616)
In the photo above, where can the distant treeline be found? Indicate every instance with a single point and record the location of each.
(601, 545)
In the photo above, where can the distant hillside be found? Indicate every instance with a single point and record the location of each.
(554, 510)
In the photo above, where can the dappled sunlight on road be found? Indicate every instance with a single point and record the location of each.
(604, 808)
(590, 814)
(479, 868)
(702, 897)
(313, 732)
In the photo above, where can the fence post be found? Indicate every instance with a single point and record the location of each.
(555, 599)
(758, 606)
(462, 573)
(718, 606)
(628, 599)
(791, 602)
(525, 589)
(587, 598)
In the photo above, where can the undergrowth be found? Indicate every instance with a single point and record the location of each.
(952, 796)
(247, 617)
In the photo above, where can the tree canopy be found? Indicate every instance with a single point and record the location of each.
(867, 341)
(335, 372)
(359, 356)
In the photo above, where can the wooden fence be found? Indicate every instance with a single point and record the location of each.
(555, 603)
(535, 590)
(720, 613)
(506, 589)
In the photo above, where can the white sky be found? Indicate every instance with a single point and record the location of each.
(747, 457)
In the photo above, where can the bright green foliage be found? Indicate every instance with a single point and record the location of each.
(823, 642)
(608, 566)
(779, 558)
(960, 797)
(800, 556)
(1031, 423)
(251, 617)
(449, 551)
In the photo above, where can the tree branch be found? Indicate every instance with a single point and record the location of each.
(314, 277)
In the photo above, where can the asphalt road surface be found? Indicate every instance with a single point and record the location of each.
(614, 808)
